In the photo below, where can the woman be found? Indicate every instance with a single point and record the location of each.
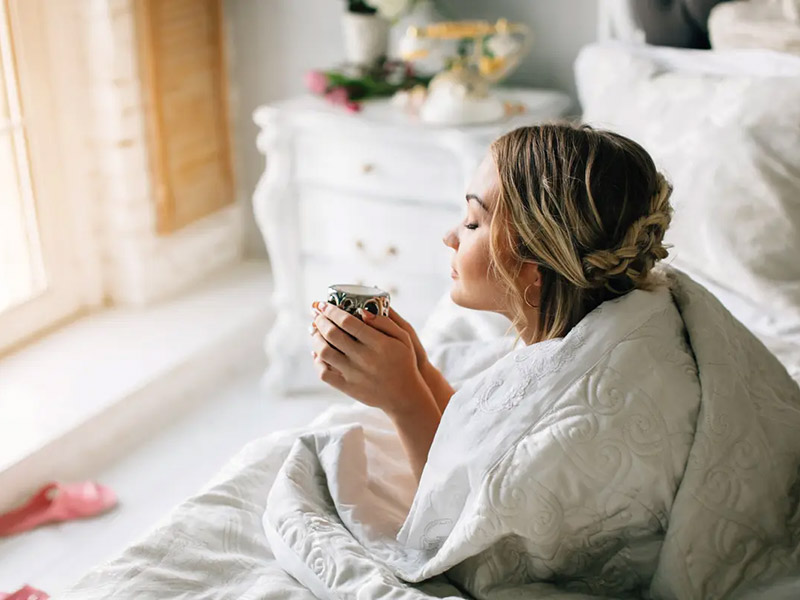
(590, 459)
(559, 219)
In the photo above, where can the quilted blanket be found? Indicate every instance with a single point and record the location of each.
(653, 451)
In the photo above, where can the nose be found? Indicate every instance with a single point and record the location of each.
(450, 239)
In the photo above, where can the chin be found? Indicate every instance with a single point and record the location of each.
(457, 296)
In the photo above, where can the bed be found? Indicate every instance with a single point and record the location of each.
(736, 230)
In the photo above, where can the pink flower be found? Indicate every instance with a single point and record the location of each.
(316, 82)
(338, 95)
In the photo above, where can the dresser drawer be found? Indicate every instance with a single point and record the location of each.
(404, 237)
(413, 296)
(378, 167)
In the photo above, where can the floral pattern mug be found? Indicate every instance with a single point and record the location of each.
(358, 298)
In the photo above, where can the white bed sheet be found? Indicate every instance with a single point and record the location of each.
(211, 546)
(214, 546)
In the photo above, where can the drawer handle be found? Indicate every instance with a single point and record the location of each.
(367, 168)
(388, 253)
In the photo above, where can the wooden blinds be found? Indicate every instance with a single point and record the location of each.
(182, 54)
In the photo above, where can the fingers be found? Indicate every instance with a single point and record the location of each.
(335, 335)
(387, 326)
(419, 349)
(327, 353)
(395, 316)
(346, 322)
(327, 373)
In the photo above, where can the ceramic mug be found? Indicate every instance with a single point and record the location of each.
(357, 298)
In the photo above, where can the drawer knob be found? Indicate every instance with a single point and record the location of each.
(390, 251)
(367, 168)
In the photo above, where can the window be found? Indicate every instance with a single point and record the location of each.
(38, 286)
(20, 251)
(116, 183)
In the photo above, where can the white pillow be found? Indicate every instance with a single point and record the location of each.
(757, 62)
(725, 129)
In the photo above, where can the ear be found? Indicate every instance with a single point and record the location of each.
(531, 274)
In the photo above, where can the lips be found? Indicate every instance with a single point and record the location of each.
(453, 273)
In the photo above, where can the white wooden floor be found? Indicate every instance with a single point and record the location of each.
(152, 480)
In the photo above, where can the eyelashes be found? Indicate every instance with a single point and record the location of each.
(471, 226)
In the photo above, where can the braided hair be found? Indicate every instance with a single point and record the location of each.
(588, 206)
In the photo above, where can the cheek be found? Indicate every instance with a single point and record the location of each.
(474, 258)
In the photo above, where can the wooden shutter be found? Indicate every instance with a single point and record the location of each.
(184, 80)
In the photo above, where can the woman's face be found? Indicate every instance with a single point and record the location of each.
(473, 284)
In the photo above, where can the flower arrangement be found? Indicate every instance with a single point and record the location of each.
(348, 85)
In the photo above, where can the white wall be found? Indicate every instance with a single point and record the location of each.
(274, 42)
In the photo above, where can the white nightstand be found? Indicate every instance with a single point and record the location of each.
(365, 197)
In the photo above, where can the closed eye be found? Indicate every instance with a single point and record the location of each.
(471, 226)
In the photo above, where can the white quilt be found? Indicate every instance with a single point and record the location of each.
(652, 450)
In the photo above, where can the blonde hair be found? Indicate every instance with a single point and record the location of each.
(588, 206)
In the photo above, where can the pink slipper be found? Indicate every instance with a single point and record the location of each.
(25, 593)
(58, 502)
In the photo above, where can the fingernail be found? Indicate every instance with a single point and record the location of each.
(322, 306)
(312, 328)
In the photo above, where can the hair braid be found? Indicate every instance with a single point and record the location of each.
(638, 250)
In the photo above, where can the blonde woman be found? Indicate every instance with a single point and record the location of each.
(639, 443)
(558, 220)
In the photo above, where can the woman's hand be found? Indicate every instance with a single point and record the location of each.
(440, 388)
(373, 361)
(419, 349)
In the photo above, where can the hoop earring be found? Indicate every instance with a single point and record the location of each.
(525, 297)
